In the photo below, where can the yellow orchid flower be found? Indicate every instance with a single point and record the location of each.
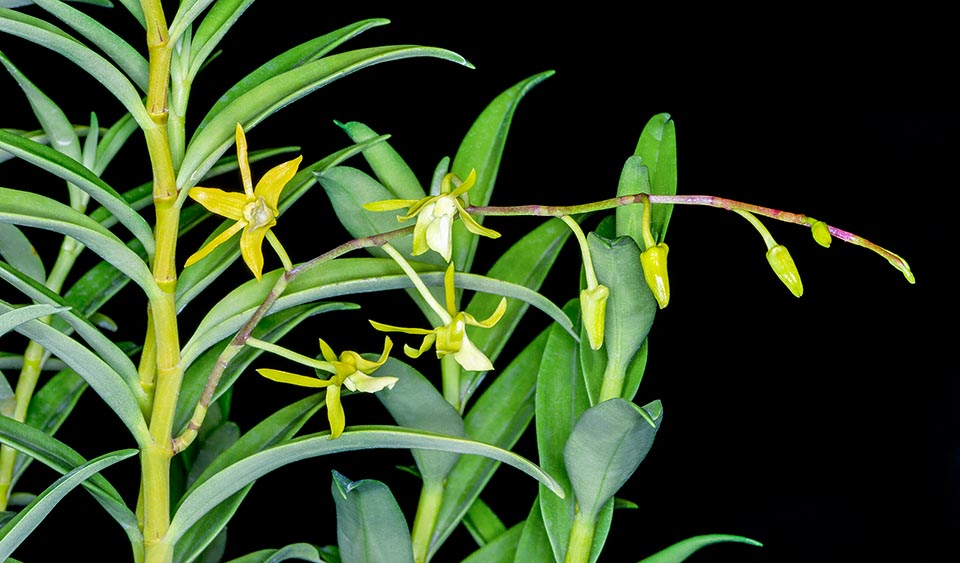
(435, 215)
(451, 338)
(255, 210)
(349, 370)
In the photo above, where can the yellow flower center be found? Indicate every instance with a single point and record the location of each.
(259, 214)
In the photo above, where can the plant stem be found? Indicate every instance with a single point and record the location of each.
(451, 371)
(704, 200)
(613, 378)
(431, 498)
(581, 539)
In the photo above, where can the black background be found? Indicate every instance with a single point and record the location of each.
(824, 427)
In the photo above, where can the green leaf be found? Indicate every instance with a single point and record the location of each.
(28, 209)
(348, 189)
(189, 10)
(481, 150)
(19, 315)
(499, 550)
(657, 148)
(634, 179)
(681, 550)
(499, 417)
(17, 529)
(220, 18)
(111, 353)
(336, 278)
(606, 447)
(370, 525)
(264, 99)
(415, 403)
(483, 523)
(390, 168)
(53, 38)
(126, 57)
(298, 551)
(55, 124)
(101, 377)
(560, 401)
(527, 262)
(228, 481)
(278, 427)
(50, 407)
(631, 306)
(534, 545)
(111, 143)
(18, 3)
(17, 250)
(73, 172)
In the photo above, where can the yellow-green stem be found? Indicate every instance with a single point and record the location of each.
(581, 539)
(431, 497)
(451, 370)
(613, 378)
(155, 457)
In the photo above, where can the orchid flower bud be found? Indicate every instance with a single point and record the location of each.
(593, 307)
(654, 262)
(779, 258)
(821, 233)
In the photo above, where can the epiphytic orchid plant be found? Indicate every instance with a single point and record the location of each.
(168, 382)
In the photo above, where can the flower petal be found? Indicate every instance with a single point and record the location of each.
(366, 384)
(292, 378)
(208, 248)
(251, 243)
(367, 366)
(471, 358)
(273, 182)
(390, 328)
(492, 319)
(227, 204)
(335, 412)
(466, 184)
(244, 163)
(389, 204)
(476, 228)
(428, 341)
(327, 351)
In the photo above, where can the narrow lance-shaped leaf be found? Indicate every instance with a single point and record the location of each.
(337, 278)
(481, 150)
(101, 377)
(17, 529)
(269, 96)
(126, 57)
(658, 149)
(370, 526)
(228, 481)
(218, 21)
(390, 168)
(28, 209)
(53, 38)
(680, 551)
(278, 427)
(298, 551)
(56, 455)
(560, 401)
(13, 318)
(101, 344)
(73, 172)
(17, 250)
